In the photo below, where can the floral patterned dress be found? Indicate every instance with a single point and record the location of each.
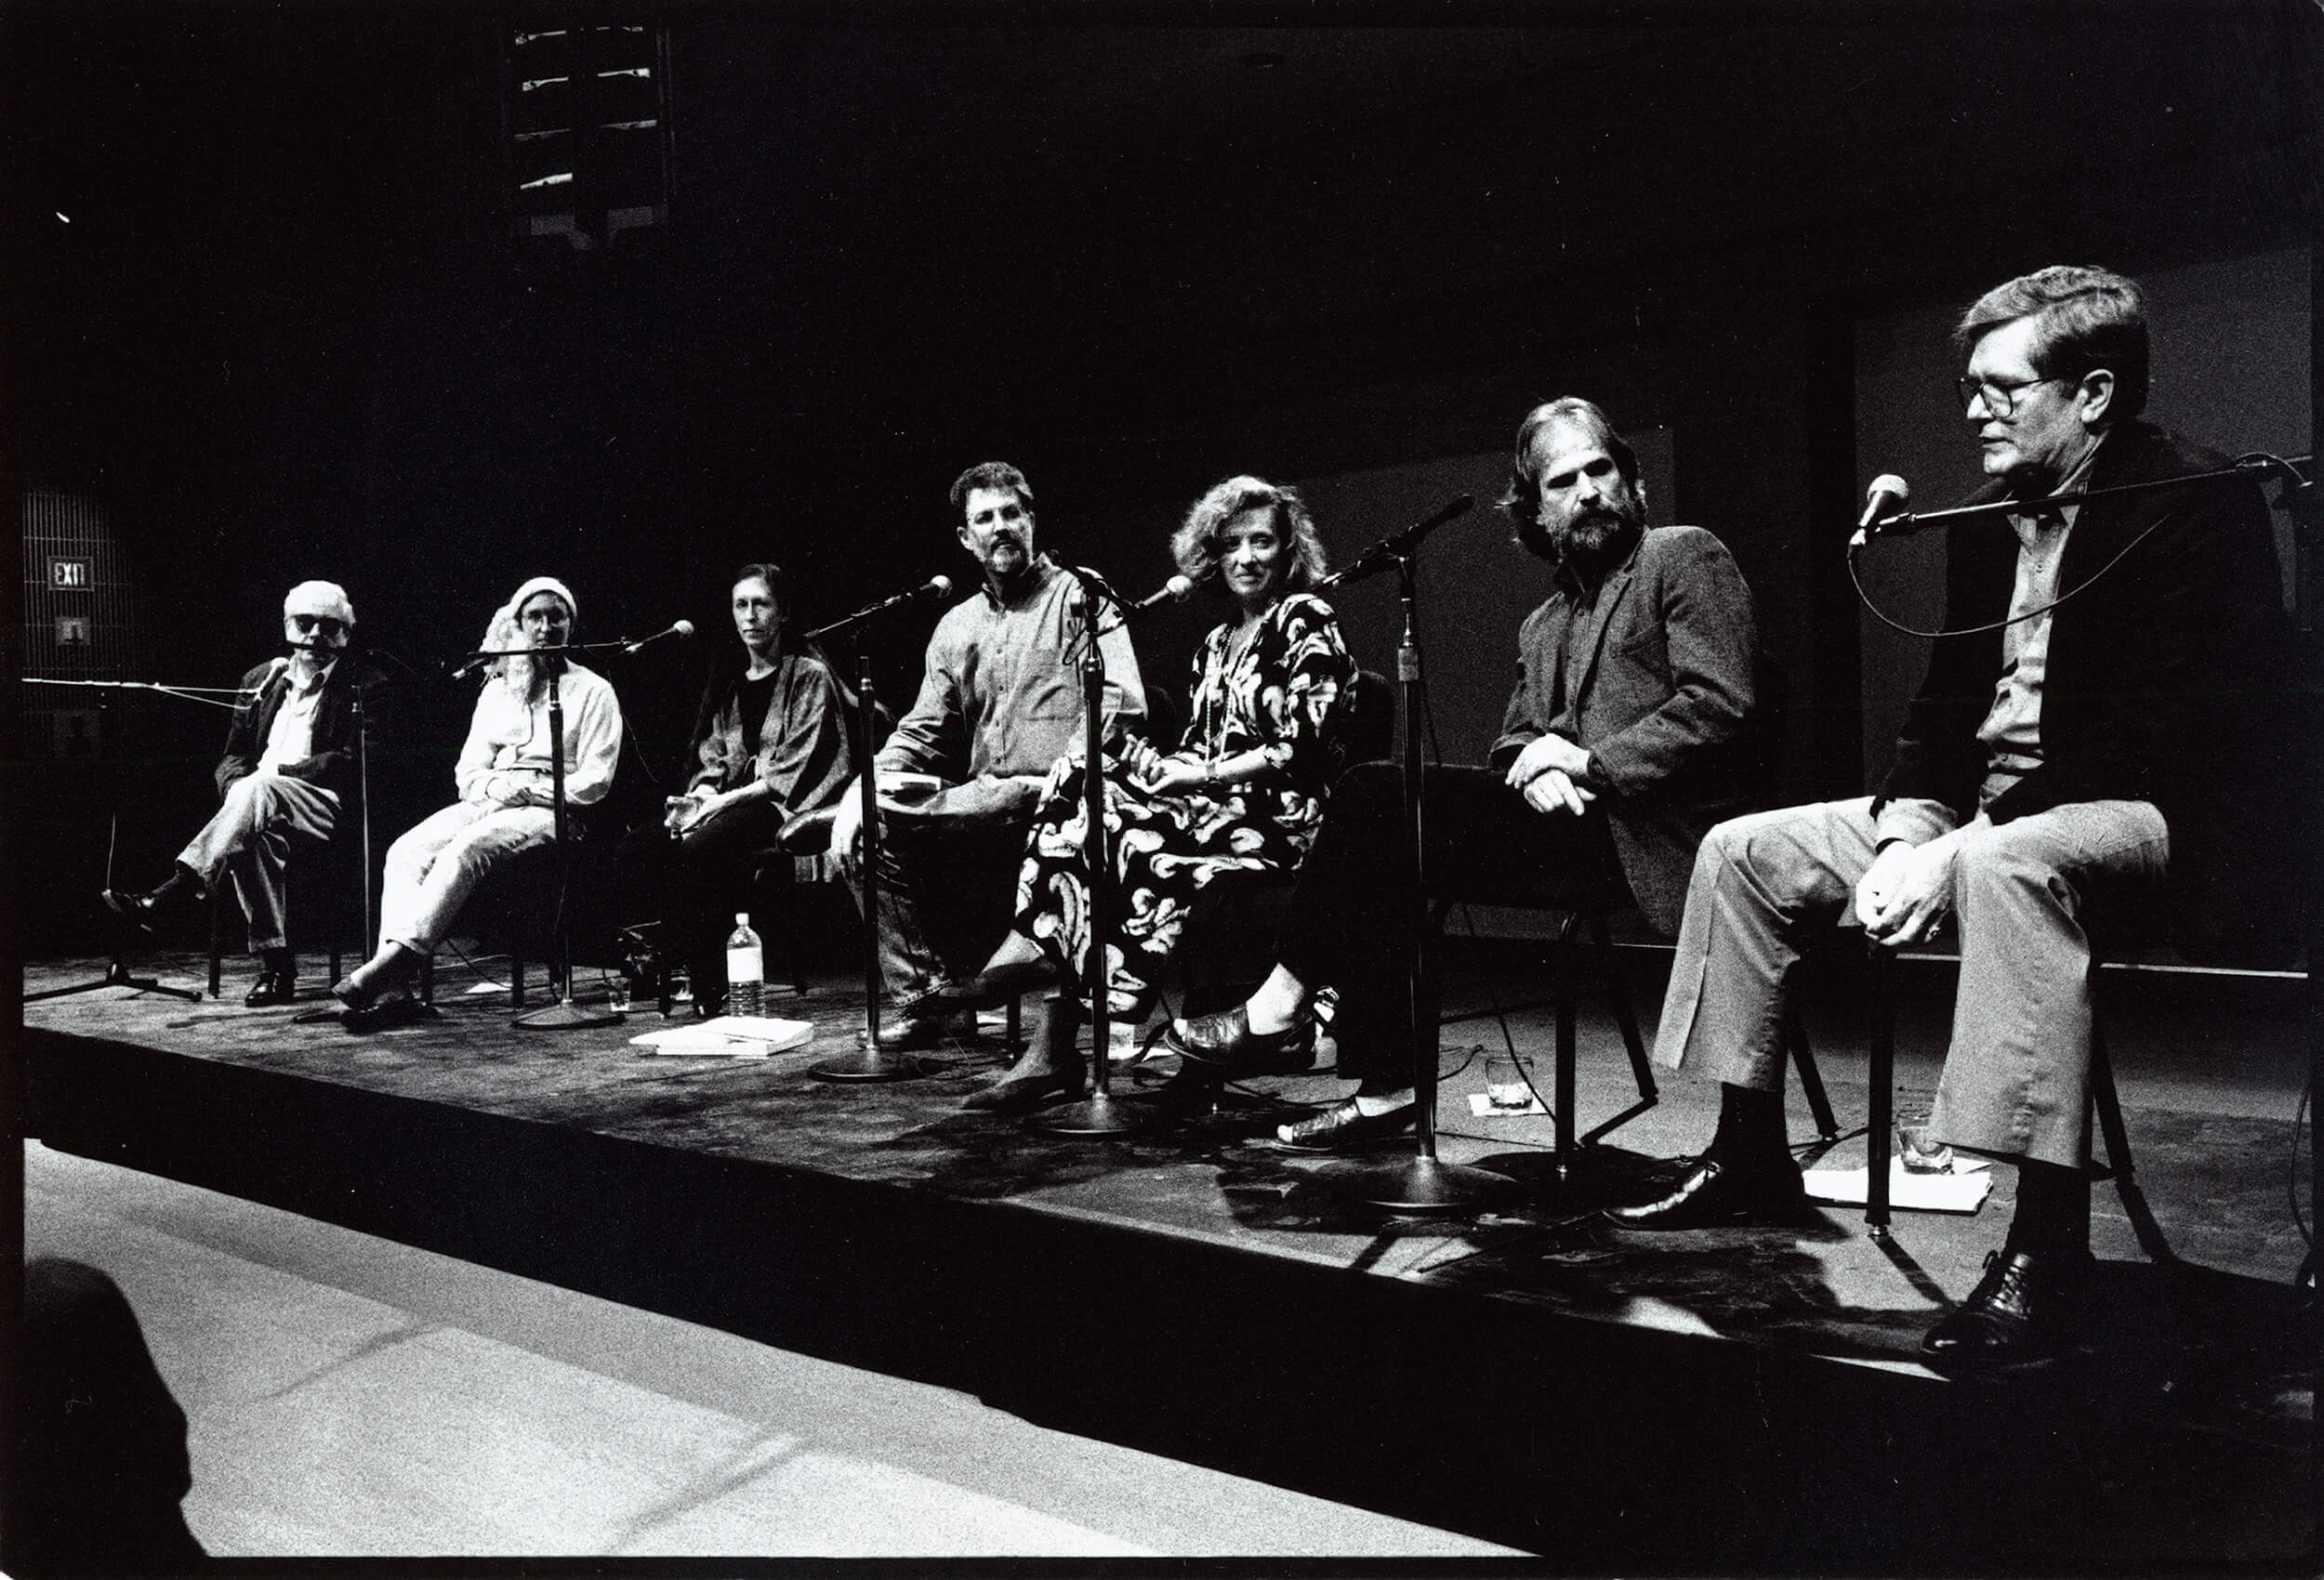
(1289, 689)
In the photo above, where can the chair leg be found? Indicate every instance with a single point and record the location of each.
(1881, 1119)
(2118, 1166)
(515, 980)
(218, 938)
(1618, 995)
(428, 978)
(1811, 1078)
(1562, 981)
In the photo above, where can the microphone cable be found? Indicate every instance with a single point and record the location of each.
(2256, 460)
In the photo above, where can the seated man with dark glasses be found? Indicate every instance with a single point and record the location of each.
(289, 771)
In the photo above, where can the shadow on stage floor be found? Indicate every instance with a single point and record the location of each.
(1739, 1400)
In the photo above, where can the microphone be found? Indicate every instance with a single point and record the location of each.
(1176, 590)
(1884, 510)
(675, 629)
(935, 586)
(274, 666)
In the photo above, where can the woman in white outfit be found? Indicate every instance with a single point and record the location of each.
(505, 782)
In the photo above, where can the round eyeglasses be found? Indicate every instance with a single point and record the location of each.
(1999, 399)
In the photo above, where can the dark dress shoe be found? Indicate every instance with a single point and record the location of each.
(1714, 1193)
(2024, 1313)
(990, 990)
(910, 1034)
(1022, 1094)
(138, 909)
(1343, 1126)
(382, 1011)
(1226, 1040)
(273, 987)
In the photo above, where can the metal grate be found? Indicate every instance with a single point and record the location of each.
(79, 618)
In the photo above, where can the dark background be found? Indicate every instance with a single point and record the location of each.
(285, 328)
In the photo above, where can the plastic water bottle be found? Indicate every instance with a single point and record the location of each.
(745, 971)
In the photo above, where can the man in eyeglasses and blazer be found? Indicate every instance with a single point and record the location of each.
(289, 774)
(2101, 742)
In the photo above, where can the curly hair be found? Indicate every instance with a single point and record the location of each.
(1521, 500)
(1195, 544)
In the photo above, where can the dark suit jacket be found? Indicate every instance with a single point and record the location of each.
(332, 765)
(1662, 690)
(2164, 683)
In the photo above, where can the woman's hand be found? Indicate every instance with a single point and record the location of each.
(1171, 774)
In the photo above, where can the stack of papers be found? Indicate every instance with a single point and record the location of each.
(727, 1036)
(1959, 1192)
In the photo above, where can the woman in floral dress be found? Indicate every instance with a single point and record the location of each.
(1242, 795)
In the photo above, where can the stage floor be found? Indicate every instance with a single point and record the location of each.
(2205, 1348)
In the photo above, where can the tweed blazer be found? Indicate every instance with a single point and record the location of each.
(1663, 691)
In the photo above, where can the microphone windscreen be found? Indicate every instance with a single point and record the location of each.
(940, 585)
(683, 627)
(1180, 586)
(1892, 485)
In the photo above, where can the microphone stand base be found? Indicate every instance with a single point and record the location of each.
(117, 975)
(566, 1016)
(1414, 1184)
(1102, 1114)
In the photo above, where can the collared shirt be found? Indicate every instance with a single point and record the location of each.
(2012, 731)
(508, 734)
(1001, 693)
(292, 736)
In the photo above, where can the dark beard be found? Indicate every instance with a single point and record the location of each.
(1593, 543)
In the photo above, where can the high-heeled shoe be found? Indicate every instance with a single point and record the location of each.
(1226, 1040)
(991, 988)
(1345, 1125)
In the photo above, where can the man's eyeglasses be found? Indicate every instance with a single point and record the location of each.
(1999, 399)
(322, 624)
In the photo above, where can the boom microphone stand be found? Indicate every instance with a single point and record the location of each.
(564, 1015)
(117, 973)
(1423, 1183)
(1101, 1114)
(871, 1062)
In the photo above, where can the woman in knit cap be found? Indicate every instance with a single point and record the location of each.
(505, 782)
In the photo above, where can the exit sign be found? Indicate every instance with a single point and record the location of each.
(69, 574)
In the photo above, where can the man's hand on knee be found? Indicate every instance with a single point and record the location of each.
(1906, 893)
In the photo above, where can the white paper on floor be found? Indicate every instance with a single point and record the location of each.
(727, 1036)
(1962, 1191)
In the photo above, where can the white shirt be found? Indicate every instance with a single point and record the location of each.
(507, 736)
(291, 738)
